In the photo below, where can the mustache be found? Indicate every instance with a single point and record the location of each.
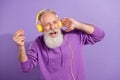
(53, 42)
(52, 31)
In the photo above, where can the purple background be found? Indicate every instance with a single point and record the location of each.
(102, 59)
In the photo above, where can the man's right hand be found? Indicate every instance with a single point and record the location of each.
(19, 37)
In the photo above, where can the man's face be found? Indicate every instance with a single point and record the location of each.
(49, 22)
(52, 33)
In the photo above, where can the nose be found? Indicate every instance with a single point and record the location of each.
(52, 26)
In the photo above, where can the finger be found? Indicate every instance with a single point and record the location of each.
(19, 39)
(67, 21)
(64, 19)
(19, 31)
(20, 42)
(19, 34)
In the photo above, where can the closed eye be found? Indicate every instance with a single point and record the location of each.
(54, 22)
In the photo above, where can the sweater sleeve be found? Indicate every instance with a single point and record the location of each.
(96, 36)
(32, 59)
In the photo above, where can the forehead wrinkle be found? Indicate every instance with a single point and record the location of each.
(48, 17)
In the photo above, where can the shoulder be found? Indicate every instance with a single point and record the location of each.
(39, 38)
(38, 41)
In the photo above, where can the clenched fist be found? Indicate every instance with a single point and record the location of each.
(19, 37)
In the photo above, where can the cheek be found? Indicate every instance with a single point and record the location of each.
(46, 29)
(56, 26)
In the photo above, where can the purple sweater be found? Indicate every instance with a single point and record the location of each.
(65, 62)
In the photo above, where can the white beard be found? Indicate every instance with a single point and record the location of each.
(53, 42)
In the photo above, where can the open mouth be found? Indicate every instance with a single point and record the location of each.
(53, 34)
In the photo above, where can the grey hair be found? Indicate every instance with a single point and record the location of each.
(45, 11)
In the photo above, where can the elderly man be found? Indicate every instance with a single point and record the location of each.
(58, 52)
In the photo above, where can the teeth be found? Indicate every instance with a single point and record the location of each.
(53, 32)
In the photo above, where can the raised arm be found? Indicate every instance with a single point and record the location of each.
(19, 38)
(89, 33)
(71, 24)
